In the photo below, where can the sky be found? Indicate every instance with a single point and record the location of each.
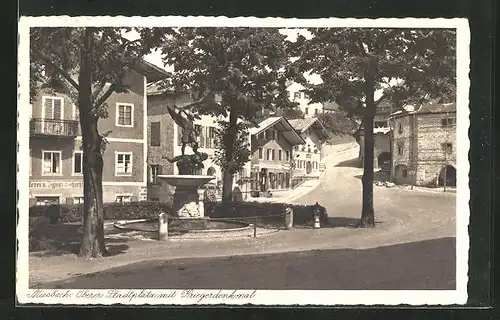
(292, 34)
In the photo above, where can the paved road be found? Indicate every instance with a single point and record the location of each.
(419, 226)
(413, 266)
(428, 214)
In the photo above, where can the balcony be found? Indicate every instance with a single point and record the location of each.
(54, 128)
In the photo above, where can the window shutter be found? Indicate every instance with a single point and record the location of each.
(48, 109)
(57, 108)
(155, 133)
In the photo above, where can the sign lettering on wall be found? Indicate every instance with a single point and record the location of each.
(56, 184)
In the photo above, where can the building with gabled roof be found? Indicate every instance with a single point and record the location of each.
(308, 157)
(272, 143)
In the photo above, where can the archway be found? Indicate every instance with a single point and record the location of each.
(401, 174)
(211, 171)
(448, 175)
(384, 161)
(308, 167)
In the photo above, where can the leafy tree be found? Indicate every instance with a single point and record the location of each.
(354, 63)
(338, 122)
(290, 113)
(242, 66)
(88, 65)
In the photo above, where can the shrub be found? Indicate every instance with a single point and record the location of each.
(64, 213)
(302, 214)
(136, 210)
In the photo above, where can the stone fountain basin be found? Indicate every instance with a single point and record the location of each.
(186, 181)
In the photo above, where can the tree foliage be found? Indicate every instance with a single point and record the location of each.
(242, 66)
(88, 65)
(409, 66)
(338, 122)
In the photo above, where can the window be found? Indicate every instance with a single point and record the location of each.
(307, 111)
(51, 163)
(401, 149)
(76, 112)
(155, 134)
(260, 153)
(275, 135)
(179, 135)
(381, 124)
(78, 162)
(405, 173)
(78, 200)
(400, 128)
(316, 112)
(308, 149)
(124, 115)
(52, 107)
(200, 131)
(279, 154)
(296, 95)
(210, 137)
(268, 155)
(123, 164)
(123, 198)
(154, 171)
(448, 122)
(448, 147)
(287, 155)
(273, 153)
(315, 165)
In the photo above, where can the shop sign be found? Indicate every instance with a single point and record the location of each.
(56, 184)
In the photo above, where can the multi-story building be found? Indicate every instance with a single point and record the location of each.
(296, 95)
(272, 145)
(424, 145)
(308, 160)
(56, 165)
(165, 140)
(381, 137)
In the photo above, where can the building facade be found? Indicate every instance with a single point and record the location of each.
(381, 136)
(272, 144)
(56, 158)
(295, 95)
(308, 157)
(424, 146)
(165, 141)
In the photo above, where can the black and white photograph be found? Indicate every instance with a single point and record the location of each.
(265, 161)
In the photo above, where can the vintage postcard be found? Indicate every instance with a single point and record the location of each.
(229, 161)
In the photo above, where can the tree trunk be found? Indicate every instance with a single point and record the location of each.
(367, 212)
(227, 181)
(92, 243)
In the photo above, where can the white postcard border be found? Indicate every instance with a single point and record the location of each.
(259, 297)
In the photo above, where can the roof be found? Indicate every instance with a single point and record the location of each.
(283, 126)
(301, 125)
(150, 71)
(429, 108)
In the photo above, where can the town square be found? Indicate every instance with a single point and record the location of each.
(240, 159)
